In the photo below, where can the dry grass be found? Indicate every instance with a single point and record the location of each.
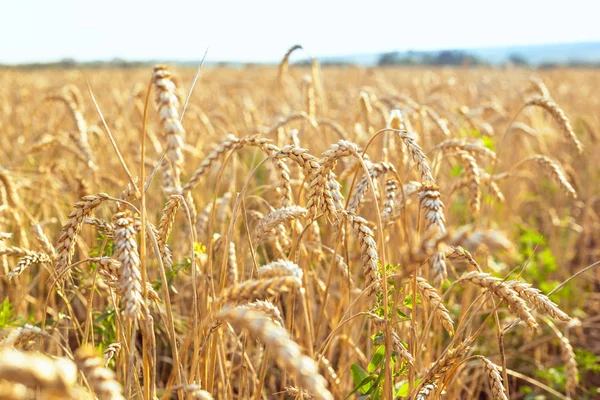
(303, 223)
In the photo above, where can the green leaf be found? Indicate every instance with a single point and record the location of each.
(361, 379)
(403, 389)
(375, 386)
(456, 171)
(401, 315)
(377, 359)
(6, 313)
(488, 142)
(408, 301)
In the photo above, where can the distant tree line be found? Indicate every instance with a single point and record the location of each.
(441, 58)
(446, 57)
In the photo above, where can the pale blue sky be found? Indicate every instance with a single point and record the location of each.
(264, 30)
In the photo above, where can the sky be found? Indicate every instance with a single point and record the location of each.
(255, 30)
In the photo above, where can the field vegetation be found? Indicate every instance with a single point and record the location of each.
(299, 232)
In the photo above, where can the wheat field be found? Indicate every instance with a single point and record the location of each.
(299, 232)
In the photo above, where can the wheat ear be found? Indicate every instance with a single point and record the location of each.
(287, 352)
(375, 171)
(22, 335)
(275, 218)
(432, 205)
(471, 148)
(111, 351)
(554, 171)
(503, 291)
(426, 391)
(368, 250)
(260, 288)
(168, 104)
(39, 372)
(495, 379)
(195, 391)
(568, 357)
(43, 241)
(284, 64)
(27, 260)
(434, 301)
(65, 247)
(101, 379)
(474, 181)
(130, 279)
(537, 299)
(559, 116)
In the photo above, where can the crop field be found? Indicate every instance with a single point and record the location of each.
(299, 232)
